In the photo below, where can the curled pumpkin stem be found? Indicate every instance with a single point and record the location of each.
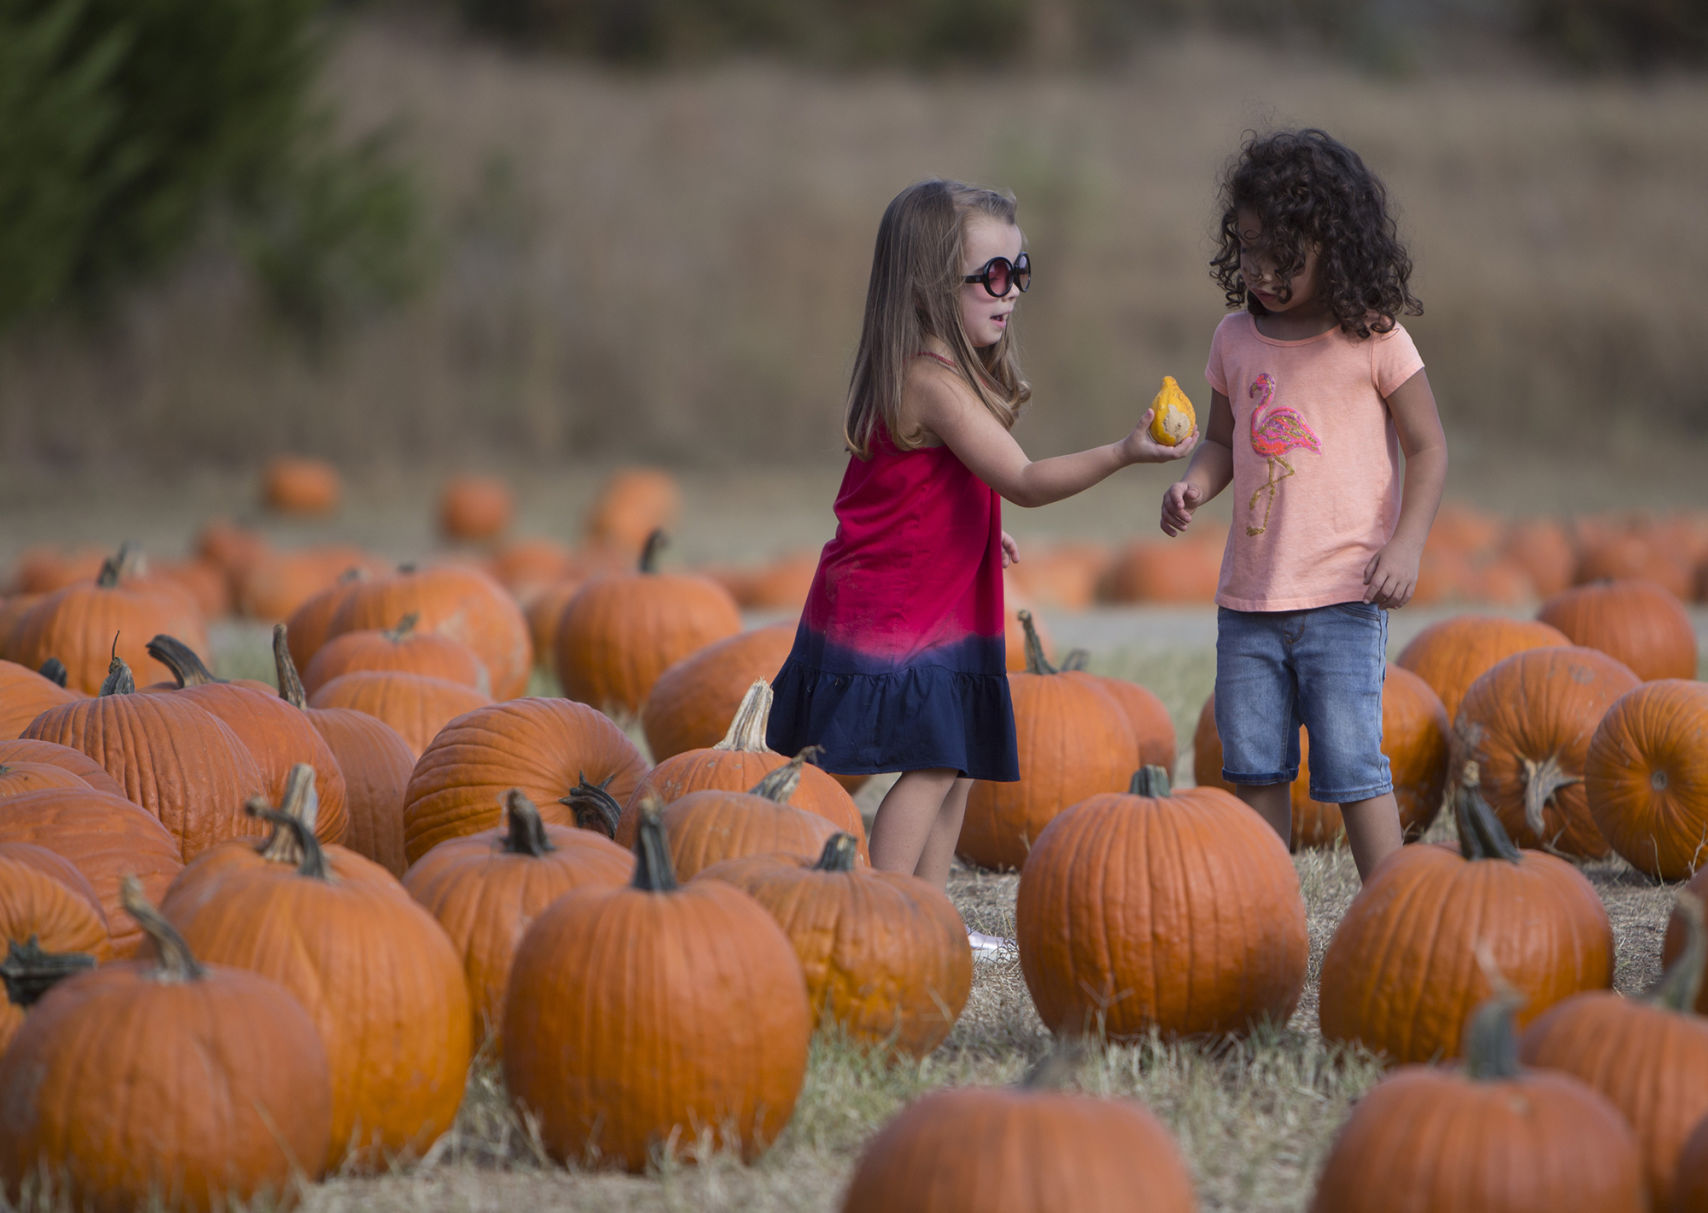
(594, 808)
(28, 972)
(780, 784)
(1541, 781)
(301, 803)
(176, 962)
(747, 730)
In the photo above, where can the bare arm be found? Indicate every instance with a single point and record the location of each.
(1211, 469)
(944, 405)
(1391, 576)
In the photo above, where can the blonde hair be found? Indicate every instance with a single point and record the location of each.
(914, 293)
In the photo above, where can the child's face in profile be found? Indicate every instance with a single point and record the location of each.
(1257, 267)
(984, 316)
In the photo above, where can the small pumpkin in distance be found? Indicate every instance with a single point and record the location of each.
(1172, 415)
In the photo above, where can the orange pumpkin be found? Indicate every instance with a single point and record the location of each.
(1403, 982)
(1646, 777)
(1150, 910)
(414, 705)
(473, 508)
(301, 485)
(403, 647)
(1153, 727)
(629, 506)
(279, 584)
(24, 695)
(715, 824)
(1641, 623)
(694, 699)
(1450, 654)
(309, 625)
(51, 753)
(639, 1017)
(44, 896)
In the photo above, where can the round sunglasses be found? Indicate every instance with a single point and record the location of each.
(999, 274)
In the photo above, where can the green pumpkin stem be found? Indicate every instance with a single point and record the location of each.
(654, 544)
(653, 870)
(1036, 662)
(290, 682)
(1151, 781)
(404, 627)
(526, 834)
(28, 972)
(840, 851)
(747, 730)
(53, 669)
(1491, 1037)
(187, 668)
(780, 783)
(119, 679)
(1481, 835)
(1682, 982)
(1541, 781)
(594, 808)
(175, 963)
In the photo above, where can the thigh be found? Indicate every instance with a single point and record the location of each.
(1257, 717)
(1342, 660)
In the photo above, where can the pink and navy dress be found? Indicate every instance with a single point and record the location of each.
(899, 662)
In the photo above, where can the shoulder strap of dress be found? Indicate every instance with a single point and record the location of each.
(948, 362)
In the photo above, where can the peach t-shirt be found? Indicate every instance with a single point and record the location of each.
(1316, 484)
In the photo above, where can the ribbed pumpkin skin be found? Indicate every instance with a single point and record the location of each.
(634, 1015)
(106, 837)
(694, 699)
(42, 894)
(1401, 973)
(712, 825)
(377, 764)
(1651, 1064)
(1007, 1150)
(198, 1091)
(1074, 742)
(31, 750)
(1428, 1139)
(486, 897)
(1153, 727)
(24, 695)
(1646, 777)
(1531, 708)
(1452, 653)
(178, 761)
(739, 771)
(1690, 1187)
(461, 601)
(377, 976)
(416, 706)
(79, 624)
(1676, 934)
(1179, 912)
(885, 954)
(432, 654)
(16, 777)
(543, 746)
(1638, 622)
(621, 631)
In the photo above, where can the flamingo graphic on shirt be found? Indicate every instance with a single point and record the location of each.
(1274, 431)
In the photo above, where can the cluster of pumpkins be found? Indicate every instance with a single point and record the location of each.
(313, 899)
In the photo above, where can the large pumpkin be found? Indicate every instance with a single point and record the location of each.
(1403, 971)
(1074, 741)
(1642, 624)
(1142, 910)
(885, 954)
(1450, 654)
(713, 824)
(374, 970)
(1490, 1136)
(639, 1017)
(693, 701)
(548, 748)
(1526, 724)
(251, 1125)
(401, 647)
(416, 706)
(621, 631)
(1646, 777)
(24, 695)
(629, 507)
(486, 888)
(32, 752)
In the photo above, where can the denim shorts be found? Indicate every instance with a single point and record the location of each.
(1323, 668)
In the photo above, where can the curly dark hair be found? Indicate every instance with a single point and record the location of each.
(1309, 190)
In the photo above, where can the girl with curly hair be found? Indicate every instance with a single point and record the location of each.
(1316, 392)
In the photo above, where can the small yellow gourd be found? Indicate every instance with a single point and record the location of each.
(1172, 417)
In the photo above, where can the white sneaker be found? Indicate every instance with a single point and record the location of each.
(989, 947)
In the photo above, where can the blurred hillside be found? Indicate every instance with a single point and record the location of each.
(670, 265)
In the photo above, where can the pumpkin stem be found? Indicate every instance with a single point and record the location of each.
(527, 833)
(1481, 836)
(650, 549)
(53, 669)
(1151, 780)
(747, 730)
(181, 660)
(1076, 659)
(653, 870)
(780, 783)
(1036, 662)
(404, 627)
(300, 801)
(1541, 781)
(119, 680)
(840, 850)
(176, 963)
(1491, 1036)
(28, 972)
(594, 808)
(126, 562)
(290, 682)
(1682, 982)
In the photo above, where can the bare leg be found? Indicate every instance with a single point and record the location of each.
(1274, 803)
(945, 833)
(1372, 831)
(906, 818)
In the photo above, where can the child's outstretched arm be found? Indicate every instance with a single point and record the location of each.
(947, 408)
(1211, 468)
(1390, 579)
